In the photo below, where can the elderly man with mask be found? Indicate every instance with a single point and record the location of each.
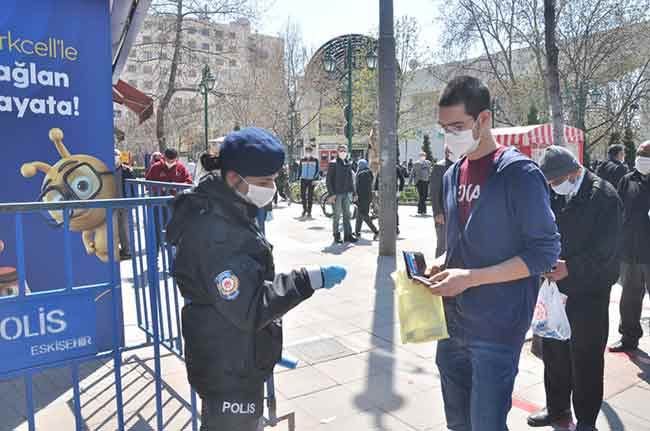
(634, 190)
(589, 217)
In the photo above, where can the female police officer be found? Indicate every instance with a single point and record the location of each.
(224, 268)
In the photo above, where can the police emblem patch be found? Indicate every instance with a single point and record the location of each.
(228, 285)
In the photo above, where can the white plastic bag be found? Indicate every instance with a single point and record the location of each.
(550, 319)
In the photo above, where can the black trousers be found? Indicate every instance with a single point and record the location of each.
(635, 279)
(576, 367)
(213, 419)
(441, 239)
(423, 193)
(307, 195)
(363, 215)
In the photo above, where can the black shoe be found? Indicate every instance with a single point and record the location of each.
(125, 256)
(337, 239)
(351, 238)
(543, 419)
(620, 347)
(375, 236)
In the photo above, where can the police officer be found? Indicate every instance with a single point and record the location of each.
(224, 268)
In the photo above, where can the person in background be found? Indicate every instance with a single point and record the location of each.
(365, 181)
(589, 216)
(282, 184)
(634, 190)
(169, 169)
(613, 169)
(309, 173)
(156, 156)
(340, 186)
(224, 267)
(421, 174)
(401, 177)
(122, 172)
(490, 276)
(437, 173)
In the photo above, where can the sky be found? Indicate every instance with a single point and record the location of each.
(322, 20)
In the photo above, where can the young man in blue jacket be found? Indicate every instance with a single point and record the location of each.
(501, 236)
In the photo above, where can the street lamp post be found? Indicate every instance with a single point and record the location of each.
(330, 66)
(205, 86)
(494, 107)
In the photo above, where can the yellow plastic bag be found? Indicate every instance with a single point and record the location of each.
(421, 314)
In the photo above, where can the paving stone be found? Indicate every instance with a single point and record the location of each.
(634, 401)
(302, 381)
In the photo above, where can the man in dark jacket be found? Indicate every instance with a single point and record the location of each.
(340, 186)
(309, 172)
(634, 190)
(122, 172)
(421, 174)
(224, 268)
(501, 237)
(437, 173)
(589, 216)
(614, 169)
(364, 198)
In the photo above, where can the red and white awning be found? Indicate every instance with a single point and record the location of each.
(533, 140)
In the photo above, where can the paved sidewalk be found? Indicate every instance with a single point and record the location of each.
(354, 373)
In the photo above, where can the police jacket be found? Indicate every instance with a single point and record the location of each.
(590, 225)
(224, 267)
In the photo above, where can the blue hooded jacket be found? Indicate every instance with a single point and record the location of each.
(512, 217)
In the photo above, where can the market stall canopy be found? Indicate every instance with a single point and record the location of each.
(134, 99)
(533, 140)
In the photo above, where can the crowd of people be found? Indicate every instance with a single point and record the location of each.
(503, 224)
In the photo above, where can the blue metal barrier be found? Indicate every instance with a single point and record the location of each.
(148, 297)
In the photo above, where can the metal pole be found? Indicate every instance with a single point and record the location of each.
(349, 56)
(205, 109)
(387, 133)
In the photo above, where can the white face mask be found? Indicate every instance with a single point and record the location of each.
(423, 158)
(642, 164)
(343, 155)
(461, 143)
(564, 188)
(257, 195)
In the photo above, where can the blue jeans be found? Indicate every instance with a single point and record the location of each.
(477, 381)
(342, 208)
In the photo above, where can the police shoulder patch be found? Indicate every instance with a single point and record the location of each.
(227, 284)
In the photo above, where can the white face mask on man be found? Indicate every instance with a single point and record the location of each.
(642, 164)
(257, 195)
(564, 189)
(462, 143)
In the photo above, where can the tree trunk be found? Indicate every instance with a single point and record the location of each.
(171, 83)
(553, 75)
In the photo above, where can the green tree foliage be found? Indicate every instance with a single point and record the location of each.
(533, 115)
(630, 147)
(426, 147)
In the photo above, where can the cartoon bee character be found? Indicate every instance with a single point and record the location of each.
(78, 177)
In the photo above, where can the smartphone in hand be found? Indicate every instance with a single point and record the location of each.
(416, 267)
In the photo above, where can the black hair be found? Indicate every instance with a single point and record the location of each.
(614, 150)
(171, 154)
(467, 91)
(210, 162)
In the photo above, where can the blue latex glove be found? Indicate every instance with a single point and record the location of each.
(333, 275)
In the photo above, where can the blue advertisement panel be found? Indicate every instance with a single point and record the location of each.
(42, 329)
(56, 119)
